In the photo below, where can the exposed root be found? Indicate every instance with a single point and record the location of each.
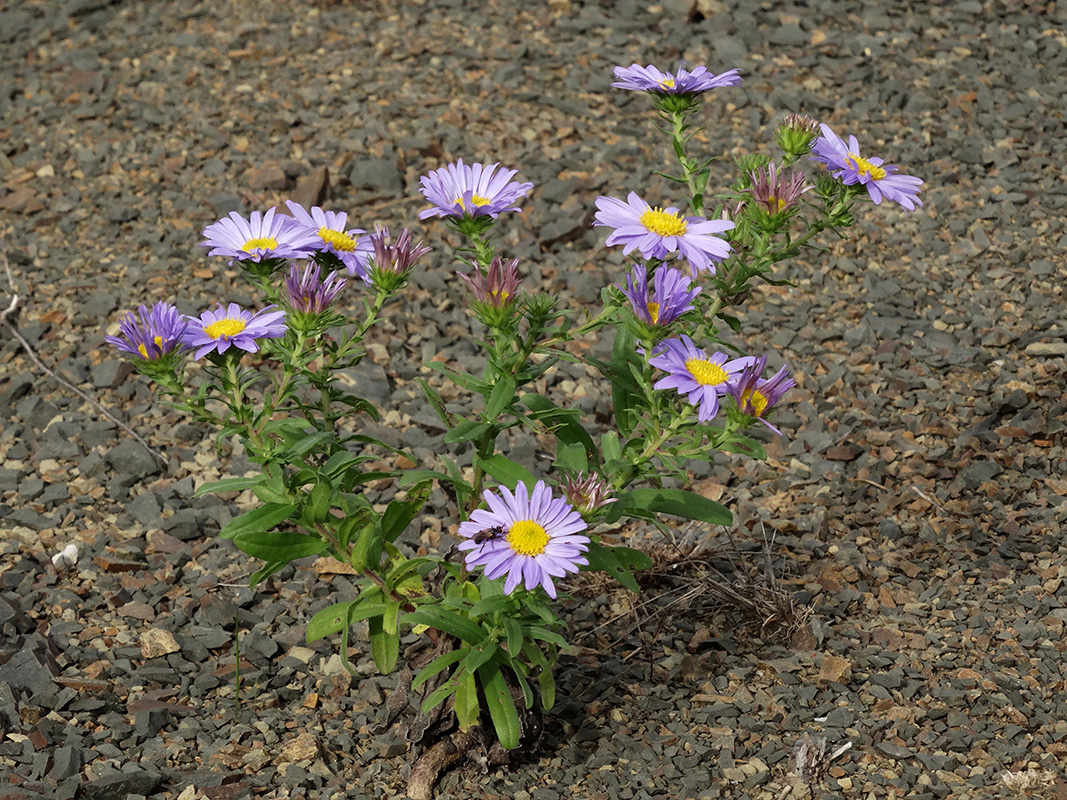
(436, 760)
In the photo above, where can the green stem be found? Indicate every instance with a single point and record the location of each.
(690, 167)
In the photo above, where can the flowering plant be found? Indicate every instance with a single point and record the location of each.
(680, 389)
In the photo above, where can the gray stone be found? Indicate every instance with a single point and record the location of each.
(111, 373)
(66, 762)
(32, 666)
(17, 388)
(145, 509)
(121, 785)
(31, 488)
(129, 458)
(376, 174)
(840, 718)
(149, 722)
(977, 473)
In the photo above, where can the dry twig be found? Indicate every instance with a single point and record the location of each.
(7, 317)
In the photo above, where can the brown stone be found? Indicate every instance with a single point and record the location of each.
(268, 176)
(312, 189)
(303, 748)
(157, 642)
(138, 610)
(22, 199)
(835, 669)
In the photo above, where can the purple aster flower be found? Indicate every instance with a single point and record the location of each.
(151, 335)
(672, 294)
(261, 237)
(691, 372)
(881, 180)
(308, 292)
(587, 493)
(498, 287)
(530, 537)
(754, 396)
(391, 262)
(650, 79)
(217, 330)
(459, 190)
(796, 133)
(658, 231)
(327, 230)
(777, 190)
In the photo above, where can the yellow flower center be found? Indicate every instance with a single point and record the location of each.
(667, 83)
(476, 200)
(865, 167)
(706, 372)
(262, 243)
(340, 241)
(144, 350)
(653, 312)
(775, 204)
(756, 400)
(660, 222)
(227, 327)
(527, 538)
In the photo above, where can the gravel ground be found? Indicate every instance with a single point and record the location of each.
(915, 503)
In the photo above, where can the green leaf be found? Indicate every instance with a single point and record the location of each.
(317, 507)
(468, 382)
(272, 490)
(332, 619)
(441, 693)
(744, 446)
(610, 446)
(440, 663)
(305, 444)
(479, 654)
(572, 457)
(466, 431)
(500, 398)
(339, 462)
(732, 321)
(279, 546)
(265, 572)
(515, 637)
(367, 548)
(563, 422)
(619, 562)
(467, 706)
(507, 472)
(390, 617)
(680, 503)
(490, 604)
(399, 513)
(384, 647)
(545, 679)
(623, 391)
(501, 707)
(447, 621)
(545, 635)
(258, 519)
(437, 402)
(227, 485)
